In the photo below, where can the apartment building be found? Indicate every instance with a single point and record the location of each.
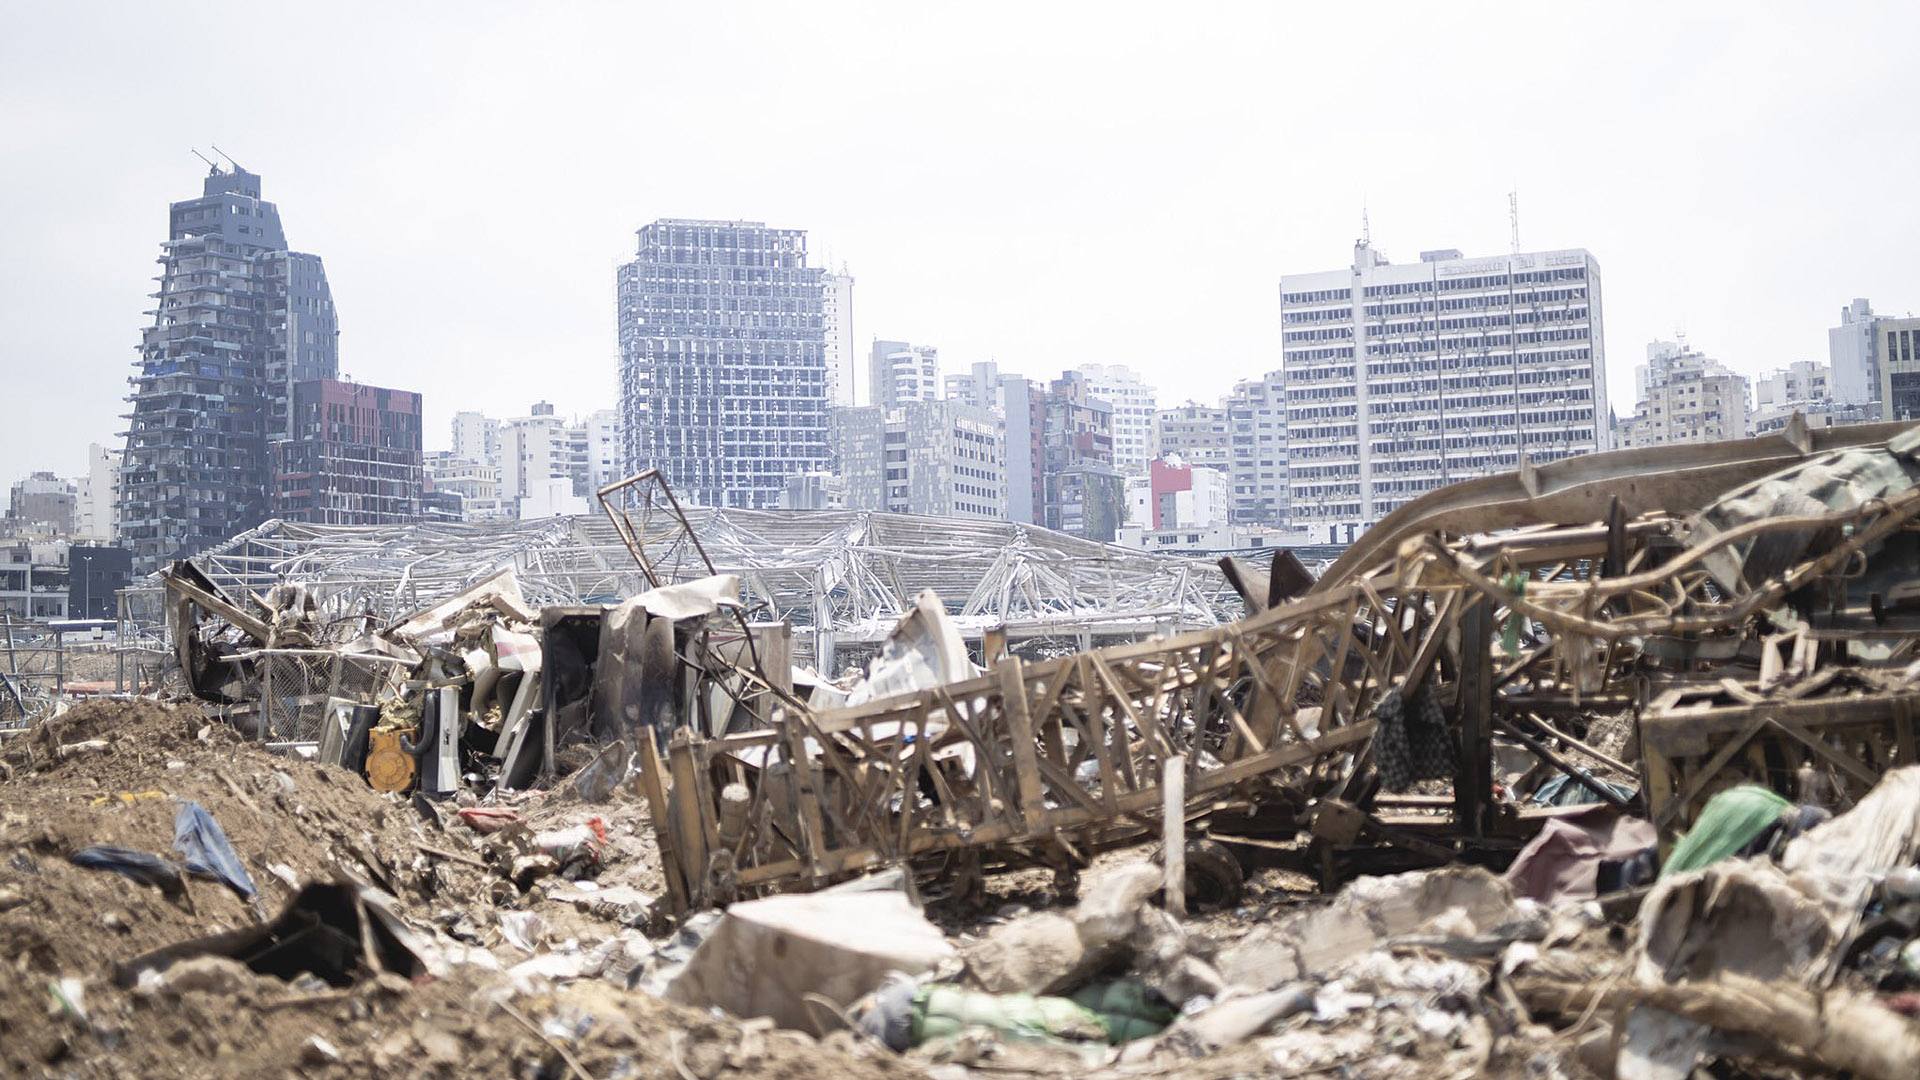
(1853, 354)
(464, 490)
(723, 383)
(1021, 405)
(1195, 433)
(1257, 450)
(1082, 489)
(97, 510)
(1689, 398)
(1804, 387)
(1134, 404)
(898, 373)
(353, 456)
(837, 340)
(41, 504)
(1399, 379)
(944, 458)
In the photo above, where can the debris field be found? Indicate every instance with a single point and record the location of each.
(1602, 768)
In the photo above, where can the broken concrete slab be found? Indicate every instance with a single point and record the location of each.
(765, 957)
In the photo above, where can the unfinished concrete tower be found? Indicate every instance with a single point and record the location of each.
(723, 374)
(239, 320)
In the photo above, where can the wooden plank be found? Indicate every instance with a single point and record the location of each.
(1013, 704)
(652, 786)
(1846, 764)
(1473, 790)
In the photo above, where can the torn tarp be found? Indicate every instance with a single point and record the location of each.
(926, 650)
(198, 837)
(1563, 860)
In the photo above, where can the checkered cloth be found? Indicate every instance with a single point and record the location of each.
(1412, 743)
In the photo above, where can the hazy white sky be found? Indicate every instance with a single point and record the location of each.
(1043, 184)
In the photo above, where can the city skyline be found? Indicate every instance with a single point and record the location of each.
(1204, 159)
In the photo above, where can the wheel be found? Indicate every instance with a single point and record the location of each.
(1215, 880)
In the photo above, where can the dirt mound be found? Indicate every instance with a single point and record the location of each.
(292, 822)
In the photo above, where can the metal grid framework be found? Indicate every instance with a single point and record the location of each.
(854, 573)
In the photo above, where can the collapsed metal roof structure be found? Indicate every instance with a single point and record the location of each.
(855, 573)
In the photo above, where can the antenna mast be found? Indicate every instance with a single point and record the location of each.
(1513, 217)
(210, 162)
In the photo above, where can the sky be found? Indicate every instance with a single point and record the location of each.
(1041, 184)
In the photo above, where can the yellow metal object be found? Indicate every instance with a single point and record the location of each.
(389, 768)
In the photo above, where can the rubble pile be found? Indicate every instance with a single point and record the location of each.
(1604, 768)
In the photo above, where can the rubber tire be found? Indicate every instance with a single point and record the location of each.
(1215, 880)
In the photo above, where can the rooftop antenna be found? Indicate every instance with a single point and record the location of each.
(1366, 228)
(229, 158)
(1513, 216)
(212, 168)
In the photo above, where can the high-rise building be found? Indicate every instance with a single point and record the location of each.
(353, 457)
(1401, 379)
(944, 458)
(1195, 433)
(1021, 405)
(1257, 464)
(898, 373)
(1689, 399)
(836, 314)
(1133, 408)
(239, 321)
(723, 383)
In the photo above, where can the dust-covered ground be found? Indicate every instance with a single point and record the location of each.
(294, 820)
(66, 933)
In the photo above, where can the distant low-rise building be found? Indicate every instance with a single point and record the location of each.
(941, 458)
(1194, 433)
(41, 505)
(1689, 398)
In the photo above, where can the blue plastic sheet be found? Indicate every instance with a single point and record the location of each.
(138, 865)
(200, 838)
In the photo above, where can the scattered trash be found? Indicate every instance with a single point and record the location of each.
(198, 837)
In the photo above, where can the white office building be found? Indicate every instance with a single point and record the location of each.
(1404, 378)
(1134, 405)
(1853, 355)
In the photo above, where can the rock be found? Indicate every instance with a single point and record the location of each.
(1037, 954)
(1047, 952)
(319, 1051)
(1111, 908)
(11, 898)
(116, 921)
(204, 974)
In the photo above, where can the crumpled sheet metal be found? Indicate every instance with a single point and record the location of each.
(1834, 481)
